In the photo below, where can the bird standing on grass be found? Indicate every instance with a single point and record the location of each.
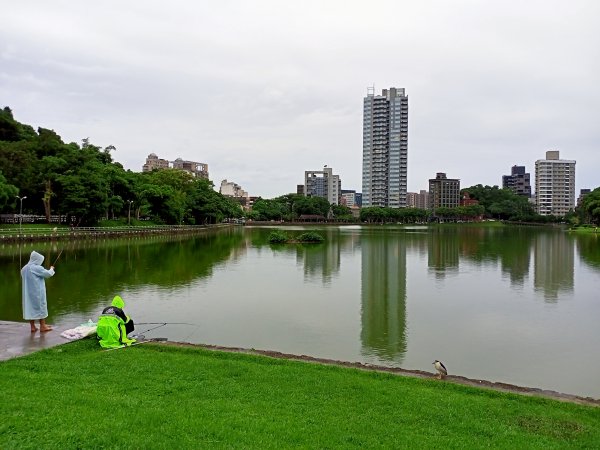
(439, 366)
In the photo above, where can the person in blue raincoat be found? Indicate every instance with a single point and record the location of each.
(35, 306)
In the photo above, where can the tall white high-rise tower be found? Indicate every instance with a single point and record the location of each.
(554, 185)
(385, 148)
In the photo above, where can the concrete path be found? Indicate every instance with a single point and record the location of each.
(16, 339)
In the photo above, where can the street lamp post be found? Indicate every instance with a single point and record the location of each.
(21, 211)
(129, 212)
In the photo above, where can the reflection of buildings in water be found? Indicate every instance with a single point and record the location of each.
(383, 294)
(320, 259)
(515, 257)
(239, 251)
(554, 265)
(443, 253)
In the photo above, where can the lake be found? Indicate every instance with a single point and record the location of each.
(512, 304)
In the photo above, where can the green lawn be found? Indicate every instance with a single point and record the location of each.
(151, 396)
(585, 229)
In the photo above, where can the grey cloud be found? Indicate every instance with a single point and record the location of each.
(263, 90)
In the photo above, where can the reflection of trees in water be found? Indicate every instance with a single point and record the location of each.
(383, 294)
(323, 260)
(511, 246)
(443, 250)
(588, 246)
(554, 264)
(92, 272)
(319, 260)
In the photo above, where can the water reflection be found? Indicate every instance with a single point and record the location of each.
(383, 296)
(90, 272)
(321, 260)
(443, 252)
(475, 295)
(588, 246)
(554, 261)
(510, 247)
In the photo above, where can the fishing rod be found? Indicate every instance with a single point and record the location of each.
(162, 324)
(153, 328)
(166, 323)
(58, 257)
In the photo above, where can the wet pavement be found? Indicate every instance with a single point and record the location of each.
(16, 339)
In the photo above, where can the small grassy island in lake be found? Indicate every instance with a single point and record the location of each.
(281, 237)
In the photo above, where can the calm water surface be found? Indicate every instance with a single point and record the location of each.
(517, 305)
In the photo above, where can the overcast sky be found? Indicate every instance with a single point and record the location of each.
(263, 90)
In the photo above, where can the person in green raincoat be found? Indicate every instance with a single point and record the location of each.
(114, 325)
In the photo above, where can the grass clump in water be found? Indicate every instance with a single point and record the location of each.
(278, 237)
(310, 236)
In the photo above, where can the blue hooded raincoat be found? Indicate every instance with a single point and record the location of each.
(33, 275)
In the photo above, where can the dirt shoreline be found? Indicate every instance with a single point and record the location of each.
(497, 386)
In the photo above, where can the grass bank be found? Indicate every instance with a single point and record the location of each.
(149, 396)
(586, 229)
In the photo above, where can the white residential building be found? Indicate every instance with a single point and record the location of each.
(197, 169)
(231, 189)
(554, 185)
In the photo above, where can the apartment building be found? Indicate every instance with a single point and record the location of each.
(443, 192)
(323, 183)
(418, 200)
(385, 148)
(554, 185)
(518, 181)
(195, 168)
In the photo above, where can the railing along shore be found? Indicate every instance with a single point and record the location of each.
(44, 233)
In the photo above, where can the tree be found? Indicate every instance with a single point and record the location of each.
(341, 212)
(311, 206)
(264, 209)
(591, 206)
(7, 192)
(501, 204)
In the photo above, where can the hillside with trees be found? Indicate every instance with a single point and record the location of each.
(85, 184)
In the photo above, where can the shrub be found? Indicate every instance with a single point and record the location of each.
(278, 237)
(310, 236)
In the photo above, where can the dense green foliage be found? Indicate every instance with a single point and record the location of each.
(589, 210)
(281, 237)
(85, 184)
(150, 396)
(417, 215)
(278, 237)
(292, 206)
(503, 204)
(8, 192)
(310, 236)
